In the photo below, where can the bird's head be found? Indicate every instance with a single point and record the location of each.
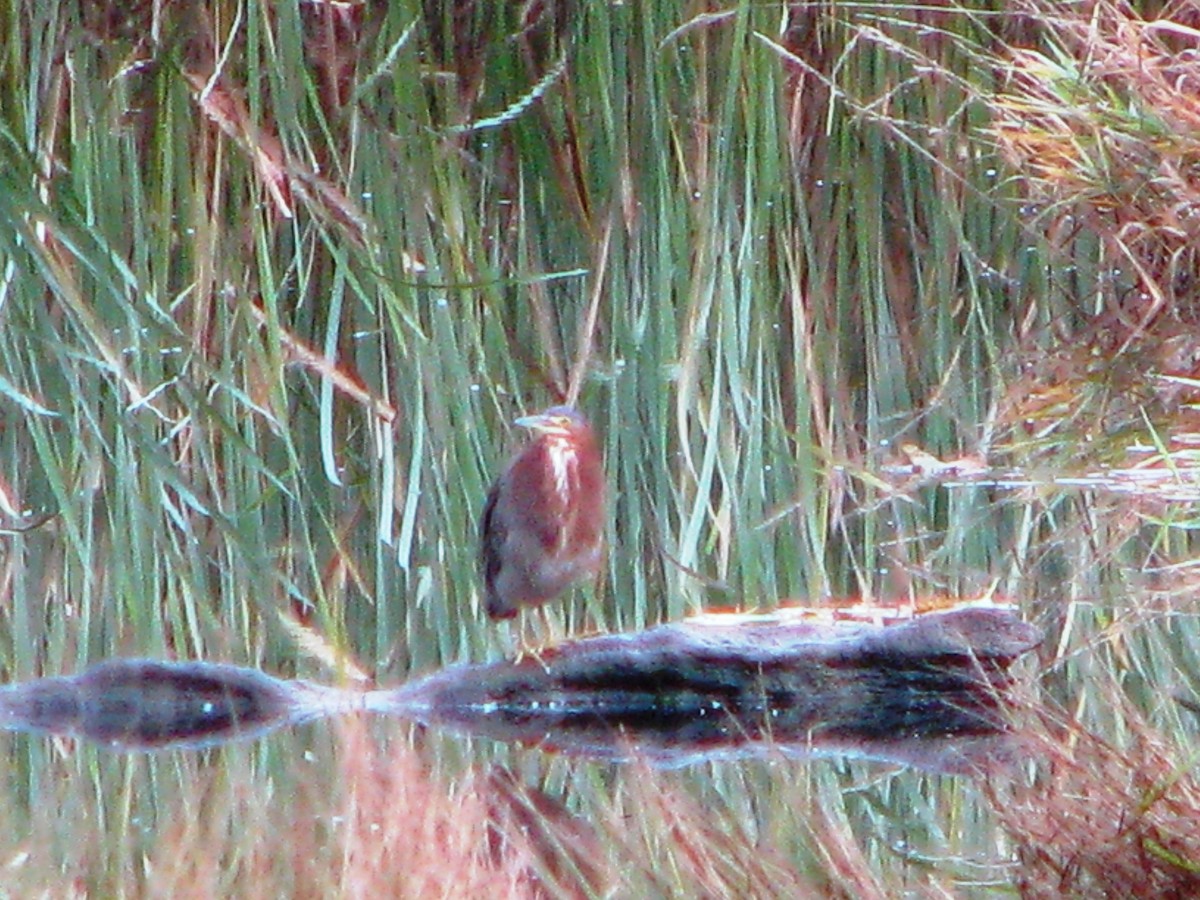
(560, 421)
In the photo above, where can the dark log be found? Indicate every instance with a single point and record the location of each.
(731, 685)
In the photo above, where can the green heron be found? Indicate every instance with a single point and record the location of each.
(543, 523)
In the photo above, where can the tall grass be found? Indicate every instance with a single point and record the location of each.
(274, 279)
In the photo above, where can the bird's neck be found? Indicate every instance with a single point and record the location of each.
(562, 460)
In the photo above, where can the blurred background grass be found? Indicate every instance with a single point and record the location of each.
(275, 279)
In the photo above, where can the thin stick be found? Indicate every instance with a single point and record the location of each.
(588, 333)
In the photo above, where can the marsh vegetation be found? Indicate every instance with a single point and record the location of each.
(869, 301)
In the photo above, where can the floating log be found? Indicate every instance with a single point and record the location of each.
(733, 685)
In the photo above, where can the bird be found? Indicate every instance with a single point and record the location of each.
(542, 527)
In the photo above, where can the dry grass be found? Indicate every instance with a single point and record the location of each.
(1101, 820)
(396, 826)
(1100, 123)
(1097, 120)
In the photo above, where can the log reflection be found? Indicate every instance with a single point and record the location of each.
(146, 704)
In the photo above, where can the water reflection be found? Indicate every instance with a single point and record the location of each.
(932, 692)
(144, 704)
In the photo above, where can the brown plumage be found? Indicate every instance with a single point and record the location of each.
(543, 523)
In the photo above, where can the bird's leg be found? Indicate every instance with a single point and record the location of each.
(511, 645)
(522, 639)
(594, 604)
(530, 644)
(549, 639)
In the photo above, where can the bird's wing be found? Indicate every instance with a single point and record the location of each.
(492, 533)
